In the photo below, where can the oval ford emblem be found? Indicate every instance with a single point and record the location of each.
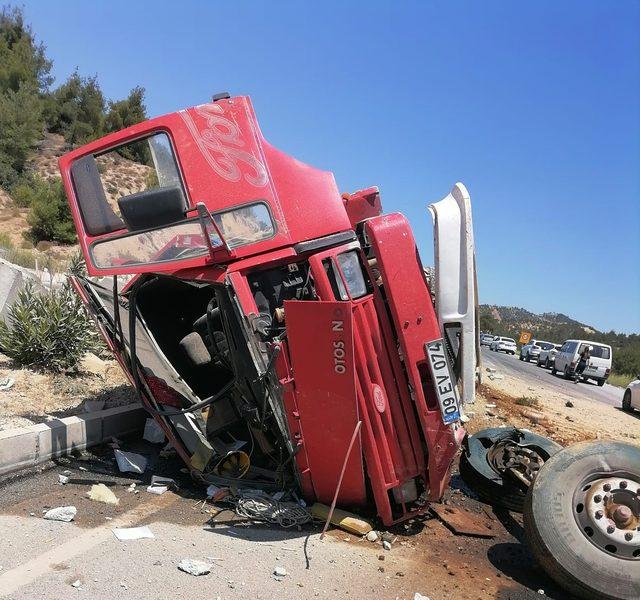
(379, 398)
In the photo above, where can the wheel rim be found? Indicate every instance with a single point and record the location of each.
(607, 510)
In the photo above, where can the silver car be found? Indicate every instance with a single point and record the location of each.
(546, 357)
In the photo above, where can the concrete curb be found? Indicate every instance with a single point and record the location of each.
(29, 446)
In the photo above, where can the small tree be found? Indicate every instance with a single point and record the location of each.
(20, 128)
(50, 216)
(47, 329)
(76, 109)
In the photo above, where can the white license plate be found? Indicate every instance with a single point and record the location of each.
(442, 381)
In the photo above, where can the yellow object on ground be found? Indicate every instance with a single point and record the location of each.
(343, 519)
(101, 493)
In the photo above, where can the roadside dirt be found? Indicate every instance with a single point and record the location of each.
(563, 419)
(37, 395)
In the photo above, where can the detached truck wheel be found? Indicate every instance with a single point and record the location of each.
(487, 455)
(582, 519)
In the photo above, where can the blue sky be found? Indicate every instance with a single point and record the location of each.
(535, 107)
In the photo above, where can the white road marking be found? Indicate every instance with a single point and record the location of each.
(23, 574)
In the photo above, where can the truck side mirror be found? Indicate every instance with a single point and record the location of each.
(152, 208)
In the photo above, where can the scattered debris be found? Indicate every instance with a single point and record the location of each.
(491, 370)
(216, 493)
(6, 384)
(569, 404)
(260, 507)
(386, 545)
(159, 485)
(101, 493)
(153, 432)
(61, 513)
(490, 405)
(194, 567)
(372, 536)
(132, 489)
(63, 479)
(343, 519)
(493, 376)
(76, 584)
(461, 522)
(130, 462)
(280, 572)
(133, 533)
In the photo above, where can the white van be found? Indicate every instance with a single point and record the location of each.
(598, 367)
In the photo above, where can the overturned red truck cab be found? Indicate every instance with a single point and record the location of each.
(261, 316)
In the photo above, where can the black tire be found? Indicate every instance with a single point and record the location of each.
(556, 539)
(566, 372)
(489, 485)
(546, 364)
(601, 382)
(521, 357)
(553, 369)
(626, 401)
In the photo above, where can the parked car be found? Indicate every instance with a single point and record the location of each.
(503, 344)
(631, 398)
(546, 357)
(598, 367)
(486, 339)
(533, 348)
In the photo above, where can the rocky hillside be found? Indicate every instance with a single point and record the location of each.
(120, 177)
(524, 320)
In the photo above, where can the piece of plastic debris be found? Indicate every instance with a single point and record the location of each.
(132, 488)
(133, 533)
(130, 462)
(153, 432)
(101, 493)
(372, 536)
(490, 405)
(76, 584)
(490, 370)
(63, 479)
(280, 572)
(83, 468)
(61, 513)
(419, 596)
(6, 384)
(541, 592)
(194, 567)
(386, 545)
(159, 485)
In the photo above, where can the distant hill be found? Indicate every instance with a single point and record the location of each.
(522, 319)
(557, 327)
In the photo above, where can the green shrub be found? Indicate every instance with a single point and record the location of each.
(50, 216)
(528, 401)
(5, 241)
(47, 329)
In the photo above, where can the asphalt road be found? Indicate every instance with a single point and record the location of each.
(532, 374)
